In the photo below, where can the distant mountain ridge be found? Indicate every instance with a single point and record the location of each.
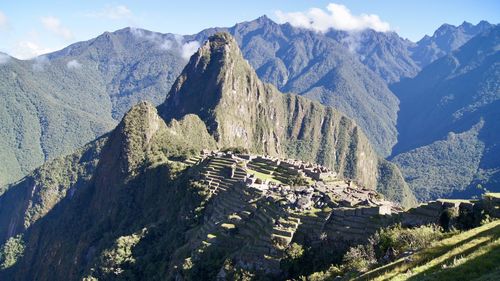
(448, 123)
(116, 70)
(349, 71)
(446, 39)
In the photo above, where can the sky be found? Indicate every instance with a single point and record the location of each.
(31, 28)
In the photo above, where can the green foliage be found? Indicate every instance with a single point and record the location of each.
(294, 251)
(469, 255)
(399, 239)
(235, 273)
(330, 274)
(359, 258)
(448, 122)
(11, 251)
(382, 247)
(113, 260)
(435, 170)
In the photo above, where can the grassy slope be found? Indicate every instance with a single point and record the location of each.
(470, 255)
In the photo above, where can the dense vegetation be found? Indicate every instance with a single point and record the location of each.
(448, 123)
(54, 104)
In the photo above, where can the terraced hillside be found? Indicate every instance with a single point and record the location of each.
(256, 206)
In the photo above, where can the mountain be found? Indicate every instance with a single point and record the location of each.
(216, 81)
(320, 67)
(445, 39)
(103, 77)
(385, 53)
(448, 124)
(142, 202)
(40, 120)
(55, 103)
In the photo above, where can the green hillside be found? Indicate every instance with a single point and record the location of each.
(471, 255)
(448, 124)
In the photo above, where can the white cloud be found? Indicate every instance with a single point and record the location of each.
(189, 49)
(154, 37)
(73, 64)
(40, 62)
(336, 16)
(4, 58)
(29, 49)
(54, 25)
(3, 20)
(113, 12)
(166, 45)
(185, 49)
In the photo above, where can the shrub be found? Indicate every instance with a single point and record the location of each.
(447, 218)
(294, 251)
(386, 244)
(236, 273)
(330, 274)
(359, 258)
(398, 239)
(114, 259)
(11, 251)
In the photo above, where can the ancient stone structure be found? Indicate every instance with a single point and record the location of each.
(267, 203)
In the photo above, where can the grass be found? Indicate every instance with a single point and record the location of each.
(469, 255)
(493, 194)
(263, 176)
(228, 226)
(454, 200)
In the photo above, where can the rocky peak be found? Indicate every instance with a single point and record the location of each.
(129, 142)
(202, 83)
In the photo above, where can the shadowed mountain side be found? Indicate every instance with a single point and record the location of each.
(449, 117)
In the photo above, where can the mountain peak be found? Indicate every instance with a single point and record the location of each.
(201, 84)
(466, 24)
(219, 41)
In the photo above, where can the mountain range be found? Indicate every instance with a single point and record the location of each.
(100, 79)
(234, 152)
(140, 180)
(448, 122)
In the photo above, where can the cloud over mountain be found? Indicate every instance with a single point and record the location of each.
(118, 12)
(73, 64)
(54, 25)
(336, 16)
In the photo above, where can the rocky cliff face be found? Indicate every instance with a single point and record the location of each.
(239, 110)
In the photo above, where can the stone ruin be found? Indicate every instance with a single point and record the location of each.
(254, 204)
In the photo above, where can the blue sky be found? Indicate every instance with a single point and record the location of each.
(28, 28)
